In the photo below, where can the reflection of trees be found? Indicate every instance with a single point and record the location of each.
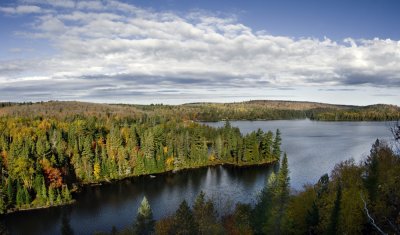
(3, 229)
(66, 228)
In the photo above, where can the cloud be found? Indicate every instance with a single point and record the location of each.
(338, 89)
(23, 9)
(98, 43)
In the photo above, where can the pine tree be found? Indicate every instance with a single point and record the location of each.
(205, 215)
(10, 191)
(2, 203)
(144, 221)
(52, 196)
(279, 190)
(312, 219)
(334, 220)
(20, 195)
(43, 193)
(184, 223)
(58, 198)
(66, 195)
(276, 152)
(87, 158)
(27, 196)
(266, 144)
(283, 192)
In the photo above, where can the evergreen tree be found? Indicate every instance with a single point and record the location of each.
(276, 152)
(87, 158)
(334, 219)
(312, 219)
(262, 209)
(371, 163)
(10, 191)
(27, 196)
(184, 223)
(20, 198)
(3, 204)
(52, 196)
(66, 195)
(205, 215)
(144, 221)
(43, 193)
(266, 145)
(280, 196)
(58, 198)
(241, 220)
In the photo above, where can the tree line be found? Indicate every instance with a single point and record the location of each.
(250, 110)
(43, 159)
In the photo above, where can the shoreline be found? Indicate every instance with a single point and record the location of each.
(111, 181)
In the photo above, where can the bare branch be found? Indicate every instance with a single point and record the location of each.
(371, 220)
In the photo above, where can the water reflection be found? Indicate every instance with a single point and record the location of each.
(99, 208)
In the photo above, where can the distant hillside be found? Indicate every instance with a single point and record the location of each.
(280, 104)
(249, 110)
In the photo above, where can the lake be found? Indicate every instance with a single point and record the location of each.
(313, 149)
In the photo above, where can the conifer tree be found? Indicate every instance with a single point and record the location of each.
(276, 152)
(144, 220)
(334, 219)
(184, 223)
(205, 215)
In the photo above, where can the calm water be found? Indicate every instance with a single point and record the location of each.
(313, 149)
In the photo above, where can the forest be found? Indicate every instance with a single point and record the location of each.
(49, 150)
(361, 198)
(250, 110)
(44, 159)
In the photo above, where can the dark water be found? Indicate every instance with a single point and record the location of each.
(101, 207)
(313, 149)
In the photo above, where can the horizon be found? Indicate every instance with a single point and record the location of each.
(177, 52)
(189, 103)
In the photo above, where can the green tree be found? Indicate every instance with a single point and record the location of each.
(66, 194)
(205, 215)
(10, 191)
(2, 203)
(144, 220)
(279, 190)
(334, 219)
(184, 222)
(52, 196)
(20, 198)
(276, 152)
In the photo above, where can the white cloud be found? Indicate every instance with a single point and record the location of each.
(23, 9)
(109, 42)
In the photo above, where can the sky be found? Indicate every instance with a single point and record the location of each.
(180, 51)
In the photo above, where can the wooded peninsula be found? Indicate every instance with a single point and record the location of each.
(45, 155)
(48, 150)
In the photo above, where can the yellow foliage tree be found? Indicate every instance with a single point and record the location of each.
(96, 170)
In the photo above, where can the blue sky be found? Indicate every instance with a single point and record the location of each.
(337, 19)
(178, 51)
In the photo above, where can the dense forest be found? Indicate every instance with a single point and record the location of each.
(251, 110)
(48, 150)
(43, 159)
(359, 198)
